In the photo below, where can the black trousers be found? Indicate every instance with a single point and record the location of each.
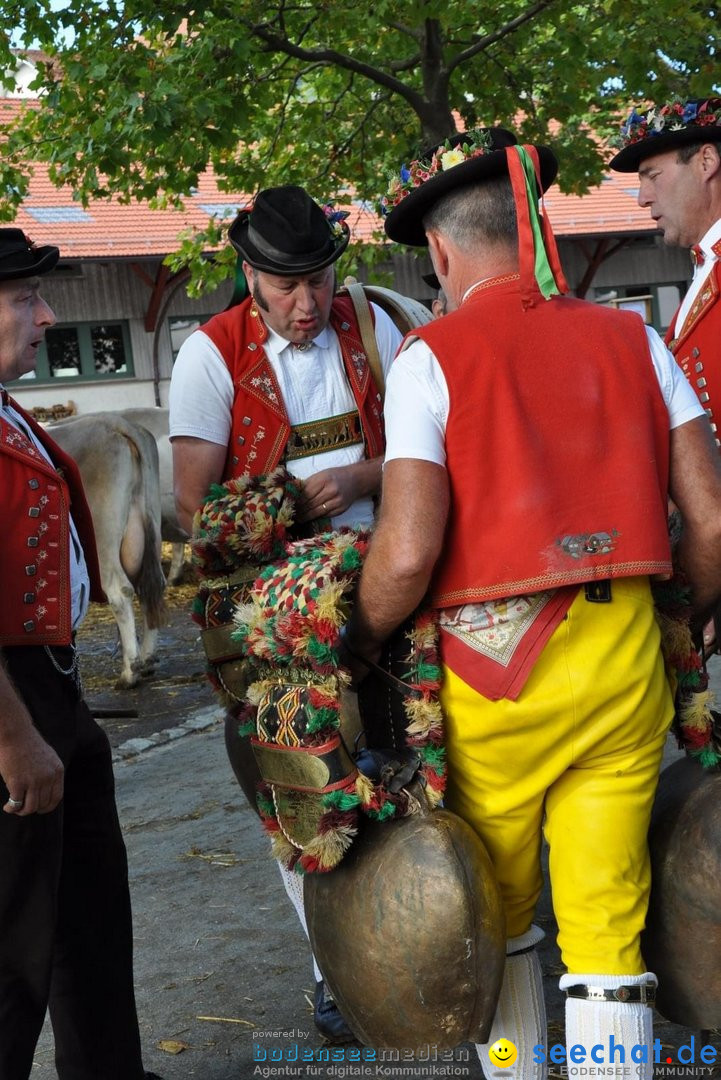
(65, 920)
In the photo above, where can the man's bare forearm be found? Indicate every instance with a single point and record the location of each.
(403, 552)
(695, 487)
(196, 465)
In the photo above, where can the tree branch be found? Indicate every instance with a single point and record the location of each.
(348, 63)
(503, 31)
(350, 139)
(409, 31)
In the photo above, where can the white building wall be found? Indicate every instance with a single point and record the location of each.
(115, 291)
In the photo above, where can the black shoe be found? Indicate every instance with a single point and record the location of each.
(328, 1018)
(152, 1076)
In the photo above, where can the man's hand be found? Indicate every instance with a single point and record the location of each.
(332, 491)
(33, 773)
(353, 658)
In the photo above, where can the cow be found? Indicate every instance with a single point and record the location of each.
(118, 462)
(155, 420)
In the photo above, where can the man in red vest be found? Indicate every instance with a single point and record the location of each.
(532, 442)
(65, 920)
(284, 377)
(676, 149)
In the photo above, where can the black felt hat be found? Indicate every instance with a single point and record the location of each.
(432, 281)
(286, 232)
(20, 258)
(667, 127)
(435, 174)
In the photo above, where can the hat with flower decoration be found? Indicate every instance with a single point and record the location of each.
(465, 158)
(667, 127)
(470, 158)
(21, 258)
(286, 232)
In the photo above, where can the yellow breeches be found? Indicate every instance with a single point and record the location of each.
(577, 755)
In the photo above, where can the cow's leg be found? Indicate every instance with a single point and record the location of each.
(132, 550)
(148, 648)
(119, 592)
(140, 557)
(176, 562)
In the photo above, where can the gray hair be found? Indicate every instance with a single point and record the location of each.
(476, 214)
(684, 154)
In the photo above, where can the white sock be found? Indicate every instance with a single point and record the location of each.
(294, 887)
(521, 1012)
(589, 1023)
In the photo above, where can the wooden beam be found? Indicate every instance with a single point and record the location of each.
(164, 278)
(602, 251)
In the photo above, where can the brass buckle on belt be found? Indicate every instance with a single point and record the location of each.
(598, 592)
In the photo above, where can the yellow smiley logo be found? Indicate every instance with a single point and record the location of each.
(503, 1053)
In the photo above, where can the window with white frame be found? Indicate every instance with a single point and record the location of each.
(97, 350)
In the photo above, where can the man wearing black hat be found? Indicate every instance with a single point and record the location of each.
(285, 377)
(65, 923)
(676, 149)
(525, 488)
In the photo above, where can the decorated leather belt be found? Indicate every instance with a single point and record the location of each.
(278, 747)
(218, 598)
(320, 436)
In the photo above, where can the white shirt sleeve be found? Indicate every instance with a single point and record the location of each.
(681, 401)
(417, 402)
(416, 405)
(388, 337)
(201, 392)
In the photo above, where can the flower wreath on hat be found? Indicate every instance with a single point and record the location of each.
(672, 117)
(444, 158)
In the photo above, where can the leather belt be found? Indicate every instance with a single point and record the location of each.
(644, 993)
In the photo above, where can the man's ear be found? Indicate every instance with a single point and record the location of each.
(710, 159)
(438, 252)
(249, 276)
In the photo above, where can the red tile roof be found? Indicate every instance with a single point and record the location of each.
(113, 230)
(609, 209)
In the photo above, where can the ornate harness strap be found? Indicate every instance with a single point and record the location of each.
(320, 436)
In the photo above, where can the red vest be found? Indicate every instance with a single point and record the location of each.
(35, 563)
(557, 447)
(698, 346)
(260, 424)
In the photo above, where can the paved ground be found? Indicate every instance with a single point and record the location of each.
(176, 689)
(222, 968)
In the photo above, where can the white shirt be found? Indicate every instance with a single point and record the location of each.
(312, 381)
(700, 274)
(417, 402)
(79, 577)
